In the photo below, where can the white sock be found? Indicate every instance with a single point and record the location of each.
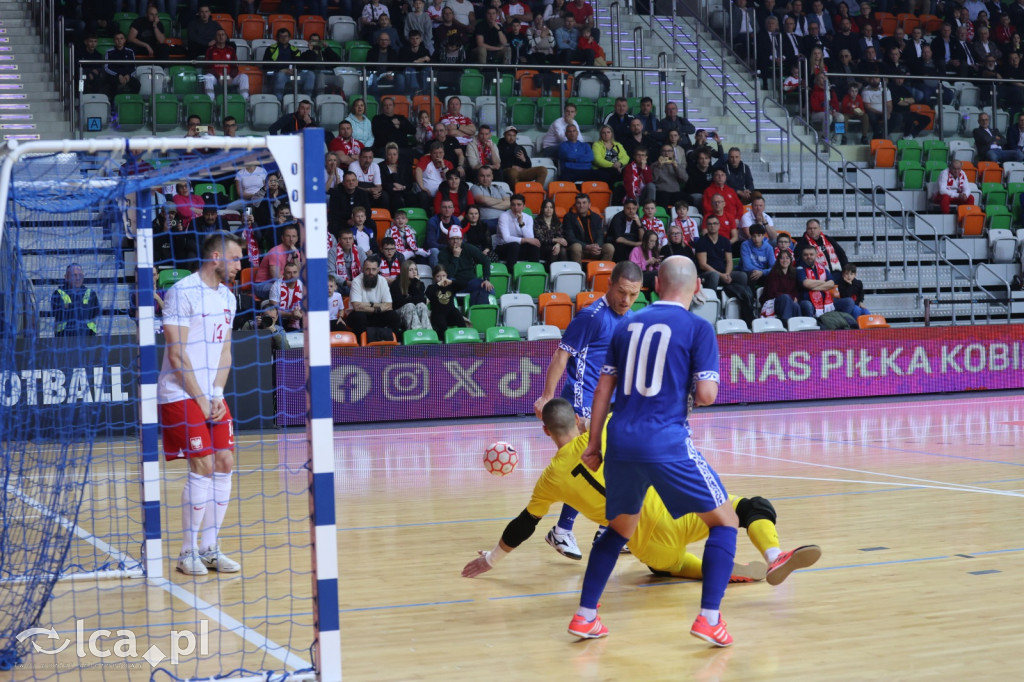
(772, 553)
(588, 614)
(219, 496)
(193, 505)
(710, 616)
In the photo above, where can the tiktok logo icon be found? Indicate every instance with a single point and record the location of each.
(515, 385)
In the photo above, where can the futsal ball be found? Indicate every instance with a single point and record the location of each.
(500, 458)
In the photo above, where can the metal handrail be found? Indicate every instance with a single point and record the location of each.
(1009, 291)
(617, 44)
(969, 277)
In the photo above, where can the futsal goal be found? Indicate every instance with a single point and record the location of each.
(91, 232)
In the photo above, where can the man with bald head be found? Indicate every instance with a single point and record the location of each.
(664, 360)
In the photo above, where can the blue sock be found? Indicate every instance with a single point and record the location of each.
(603, 556)
(719, 552)
(567, 518)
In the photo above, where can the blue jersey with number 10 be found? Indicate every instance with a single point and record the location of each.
(658, 355)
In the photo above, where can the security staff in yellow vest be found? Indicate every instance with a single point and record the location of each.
(75, 306)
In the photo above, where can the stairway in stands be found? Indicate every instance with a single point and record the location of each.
(30, 107)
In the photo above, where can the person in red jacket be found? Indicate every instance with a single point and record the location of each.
(638, 178)
(733, 205)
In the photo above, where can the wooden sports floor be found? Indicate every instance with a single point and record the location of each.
(916, 505)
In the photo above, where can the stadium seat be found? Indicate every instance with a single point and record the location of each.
(343, 340)
(529, 83)
(342, 28)
(908, 22)
(564, 199)
(251, 27)
(95, 106)
(245, 280)
(911, 174)
(931, 23)
(236, 106)
(932, 170)
(543, 332)
(709, 310)
(168, 278)
(388, 342)
(970, 171)
(589, 87)
(242, 49)
(731, 326)
(530, 278)
(165, 111)
(518, 311)
(151, 79)
(290, 102)
(872, 322)
(600, 195)
(461, 335)
(926, 111)
(1002, 246)
(403, 105)
(768, 324)
(420, 337)
(888, 22)
(949, 124)
(471, 83)
(522, 113)
(276, 22)
(423, 102)
(198, 105)
(545, 162)
(993, 193)
(483, 316)
(124, 22)
(585, 298)
(586, 111)
(548, 109)
(255, 75)
(555, 309)
(989, 171)
(499, 277)
(489, 111)
(970, 221)
(534, 194)
(310, 24)
(969, 96)
(226, 21)
(883, 153)
(184, 79)
(566, 277)
(264, 110)
(909, 150)
(803, 324)
(497, 334)
(998, 218)
(356, 50)
(131, 111)
(935, 151)
(598, 274)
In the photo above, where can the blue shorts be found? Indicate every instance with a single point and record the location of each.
(685, 486)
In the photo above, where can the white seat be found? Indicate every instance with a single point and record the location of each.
(95, 106)
(294, 340)
(488, 111)
(550, 165)
(1002, 246)
(950, 121)
(619, 84)
(768, 324)
(803, 324)
(259, 47)
(518, 311)
(588, 86)
(290, 103)
(969, 95)
(263, 111)
(962, 150)
(299, 44)
(349, 79)
(331, 110)
(610, 212)
(708, 311)
(152, 79)
(730, 307)
(567, 277)
(1001, 119)
(242, 49)
(503, 186)
(542, 332)
(731, 327)
(968, 119)
(425, 273)
(342, 28)
(526, 142)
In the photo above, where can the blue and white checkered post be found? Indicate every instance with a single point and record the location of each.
(320, 428)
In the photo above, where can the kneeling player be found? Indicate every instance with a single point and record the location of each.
(660, 541)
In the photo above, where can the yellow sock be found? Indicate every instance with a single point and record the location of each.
(763, 535)
(691, 567)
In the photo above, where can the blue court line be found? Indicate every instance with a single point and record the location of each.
(407, 606)
(425, 523)
(535, 594)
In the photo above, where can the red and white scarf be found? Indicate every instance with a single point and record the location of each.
(637, 180)
(691, 231)
(485, 152)
(657, 226)
(821, 300)
(290, 298)
(339, 260)
(959, 182)
(405, 238)
(252, 247)
(826, 253)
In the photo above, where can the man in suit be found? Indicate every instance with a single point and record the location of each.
(867, 39)
(942, 49)
(845, 39)
(814, 39)
(769, 49)
(915, 47)
(744, 23)
(991, 144)
(962, 62)
(819, 16)
(790, 41)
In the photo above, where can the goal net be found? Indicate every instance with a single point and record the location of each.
(94, 233)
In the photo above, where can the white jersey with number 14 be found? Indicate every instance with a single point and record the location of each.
(207, 314)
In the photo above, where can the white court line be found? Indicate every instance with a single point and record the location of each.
(984, 491)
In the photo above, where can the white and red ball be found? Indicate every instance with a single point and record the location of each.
(500, 458)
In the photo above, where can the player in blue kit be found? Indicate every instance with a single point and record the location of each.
(580, 355)
(661, 361)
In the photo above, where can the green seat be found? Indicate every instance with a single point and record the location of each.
(356, 50)
(198, 105)
(1014, 190)
(909, 150)
(499, 278)
(506, 85)
(471, 84)
(522, 111)
(124, 20)
(935, 151)
(335, 45)
(911, 174)
(184, 80)
(167, 278)
(420, 337)
(461, 335)
(549, 109)
(104, 44)
(131, 111)
(482, 317)
(998, 218)
(993, 194)
(202, 188)
(235, 107)
(165, 19)
(586, 110)
(605, 105)
(165, 111)
(419, 228)
(932, 169)
(634, 104)
(530, 278)
(495, 334)
(415, 213)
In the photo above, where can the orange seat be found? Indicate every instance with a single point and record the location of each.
(931, 23)
(392, 342)
(598, 274)
(910, 23)
(343, 340)
(989, 171)
(270, 6)
(884, 153)
(534, 194)
(422, 102)
(888, 22)
(310, 24)
(585, 298)
(403, 106)
(555, 308)
(275, 22)
(872, 322)
(255, 75)
(251, 26)
(529, 82)
(970, 220)
(556, 186)
(926, 111)
(381, 218)
(563, 194)
(971, 170)
(226, 21)
(565, 79)
(245, 280)
(600, 195)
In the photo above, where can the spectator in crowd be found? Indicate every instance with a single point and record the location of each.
(460, 261)
(700, 142)
(457, 192)
(172, 245)
(281, 59)
(756, 216)
(575, 158)
(292, 123)
(954, 187)
(465, 13)
(649, 220)
(341, 202)
(390, 260)
(490, 44)
(385, 78)
(95, 80)
(873, 96)
(415, 51)
(459, 125)
(942, 50)
(370, 301)
(363, 231)
(120, 75)
(638, 138)
(990, 143)
(769, 49)
(543, 49)
(903, 117)
(272, 263)
(830, 255)
(347, 263)
(202, 32)
(780, 296)
(854, 109)
(409, 295)
(438, 227)
(453, 152)
(419, 22)
(686, 223)
(800, 21)
(362, 126)
(286, 294)
(676, 246)
(647, 257)
(714, 263)
(718, 186)
(983, 47)
(397, 181)
(817, 284)
(404, 237)
(515, 160)
(449, 40)
(368, 178)
(567, 39)
(738, 175)
(584, 230)
(624, 230)
(250, 185)
(728, 225)
(332, 172)
(1015, 135)
(790, 39)
(757, 256)
(669, 176)
(431, 169)
(483, 153)
(583, 13)
(819, 16)
(852, 289)
(516, 240)
(547, 228)
(345, 146)
(555, 135)
(75, 306)
(491, 199)
(476, 232)
(673, 121)
(818, 107)
(443, 312)
(369, 18)
(266, 207)
(386, 28)
(700, 175)
(148, 36)
(610, 157)
(208, 221)
(648, 119)
(618, 120)
(314, 61)
(223, 51)
(638, 178)
(962, 60)
(424, 130)
(189, 205)
(335, 305)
